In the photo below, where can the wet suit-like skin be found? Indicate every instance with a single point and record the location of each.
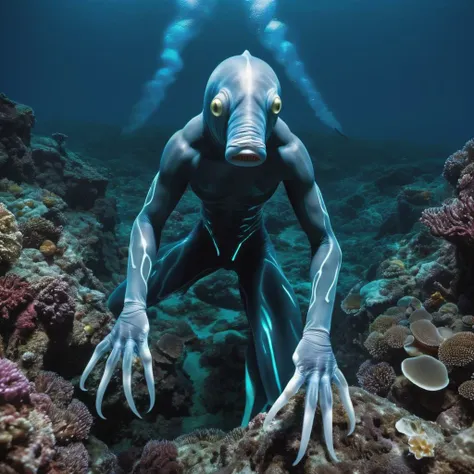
(233, 156)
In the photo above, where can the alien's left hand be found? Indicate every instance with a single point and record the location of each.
(315, 363)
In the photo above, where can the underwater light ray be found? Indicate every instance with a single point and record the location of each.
(273, 35)
(178, 34)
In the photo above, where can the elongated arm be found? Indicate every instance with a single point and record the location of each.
(307, 201)
(163, 195)
(129, 336)
(314, 359)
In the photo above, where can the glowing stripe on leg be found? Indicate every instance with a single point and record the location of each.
(249, 398)
(213, 239)
(267, 326)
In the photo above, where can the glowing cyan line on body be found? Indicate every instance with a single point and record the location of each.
(267, 327)
(331, 246)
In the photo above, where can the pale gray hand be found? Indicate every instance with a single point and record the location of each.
(315, 363)
(128, 337)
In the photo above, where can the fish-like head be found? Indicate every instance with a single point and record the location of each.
(241, 106)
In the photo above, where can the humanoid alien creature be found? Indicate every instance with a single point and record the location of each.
(233, 156)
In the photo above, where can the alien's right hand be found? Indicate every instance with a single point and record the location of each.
(128, 337)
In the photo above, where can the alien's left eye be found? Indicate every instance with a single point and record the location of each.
(217, 107)
(276, 105)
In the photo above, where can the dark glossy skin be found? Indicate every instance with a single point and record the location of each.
(234, 156)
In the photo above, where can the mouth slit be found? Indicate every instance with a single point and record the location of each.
(246, 157)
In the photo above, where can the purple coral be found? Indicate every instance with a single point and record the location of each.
(72, 458)
(55, 306)
(15, 294)
(453, 221)
(14, 386)
(159, 456)
(376, 378)
(57, 388)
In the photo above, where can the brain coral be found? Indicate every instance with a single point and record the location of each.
(458, 351)
(10, 237)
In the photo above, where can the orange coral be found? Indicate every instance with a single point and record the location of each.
(48, 248)
(421, 447)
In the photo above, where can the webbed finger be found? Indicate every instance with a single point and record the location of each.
(127, 375)
(325, 393)
(346, 401)
(311, 402)
(291, 389)
(99, 351)
(145, 356)
(108, 371)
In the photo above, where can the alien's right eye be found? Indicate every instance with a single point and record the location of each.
(217, 107)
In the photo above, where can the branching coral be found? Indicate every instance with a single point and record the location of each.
(11, 238)
(15, 294)
(27, 439)
(453, 221)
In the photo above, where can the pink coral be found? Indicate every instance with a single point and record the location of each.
(159, 456)
(15, 294)
(14, 386)
(453, 221)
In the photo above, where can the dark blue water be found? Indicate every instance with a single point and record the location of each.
(387, 69)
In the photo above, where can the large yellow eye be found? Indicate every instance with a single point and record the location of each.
(276, 105)
(216, 107)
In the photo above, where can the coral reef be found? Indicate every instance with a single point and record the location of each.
(10, 237)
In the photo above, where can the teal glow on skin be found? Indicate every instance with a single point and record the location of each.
(267, 327)
(249, 398)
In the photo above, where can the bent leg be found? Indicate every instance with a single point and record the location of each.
(273, 313)
(177, 267)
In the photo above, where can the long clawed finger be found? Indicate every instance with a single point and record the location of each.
(127, 375)
(99, 351)
(145, 356)
(345, 396)
(291, 389)
(311, 402)
(325, 393)
(112, 362)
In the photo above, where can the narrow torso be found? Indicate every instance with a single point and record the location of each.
(233, 197)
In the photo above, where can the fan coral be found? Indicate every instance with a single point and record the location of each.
(15, 294)
(376, 378)
(55, 306)
(11, 238)
(58, 389)
(466, 390)
(14, 386)
(454, 221)
(70, 424)
(38, 229)
(457, 351)
(158, 456)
